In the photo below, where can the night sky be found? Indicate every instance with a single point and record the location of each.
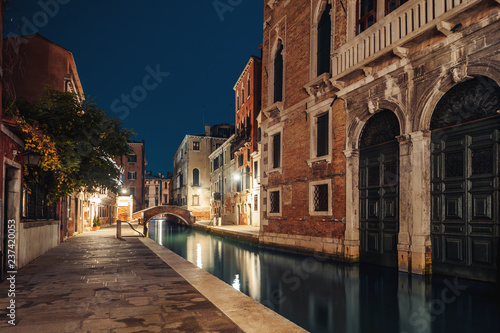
(196, 51)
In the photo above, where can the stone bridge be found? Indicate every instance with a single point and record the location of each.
(148, 213)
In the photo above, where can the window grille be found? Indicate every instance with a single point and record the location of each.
(274, 202)
(321, 198)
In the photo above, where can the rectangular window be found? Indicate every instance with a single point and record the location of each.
(216, 163)
(240, 160)
(132, 158)
(274, 202)
(255, 169)
(248, 155)
(132, 190)
(367, 10)
(322, 135)
(320, 198)
(132, 175)
(248, 86)
(255, 202)
(391, 5)
(277, 150)
(196, 200)
(196, 145)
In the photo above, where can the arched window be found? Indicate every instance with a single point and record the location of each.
(248, 178)
(324, 41)
(237, 100)
(196, 177)
(278, 74)
(248, 86)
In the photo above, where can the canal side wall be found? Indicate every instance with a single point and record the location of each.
(332, 248)
(244, 237)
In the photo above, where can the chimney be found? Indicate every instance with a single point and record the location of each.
(207, 130)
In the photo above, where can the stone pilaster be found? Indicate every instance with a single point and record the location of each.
(351, 242)
(420, 197)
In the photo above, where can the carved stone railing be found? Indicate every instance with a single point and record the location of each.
(394, 30)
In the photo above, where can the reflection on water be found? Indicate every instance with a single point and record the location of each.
(323, 296)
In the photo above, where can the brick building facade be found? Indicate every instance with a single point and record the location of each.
(134, 173)
(245, 143)
(303, 131)
(411, 90)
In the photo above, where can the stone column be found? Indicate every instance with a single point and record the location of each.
(351, 241)
(405, 204)
(420, 241)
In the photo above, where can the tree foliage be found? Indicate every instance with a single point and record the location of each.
(77, 142)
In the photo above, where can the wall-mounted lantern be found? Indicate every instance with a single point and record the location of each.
(31, 158)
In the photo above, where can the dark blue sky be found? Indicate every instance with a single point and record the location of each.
(115, 42)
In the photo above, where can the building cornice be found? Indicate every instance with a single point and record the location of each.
(245, 70)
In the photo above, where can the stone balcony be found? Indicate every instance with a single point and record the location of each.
(395, 33)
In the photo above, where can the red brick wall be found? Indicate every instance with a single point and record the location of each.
(297, 174)
(31, 63)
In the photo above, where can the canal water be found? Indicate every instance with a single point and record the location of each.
(325, 296)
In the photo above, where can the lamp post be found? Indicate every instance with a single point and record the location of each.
(31, 158)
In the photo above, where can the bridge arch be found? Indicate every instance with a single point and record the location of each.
(146, 214)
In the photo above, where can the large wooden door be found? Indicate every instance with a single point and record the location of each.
(465, 169)
(379, 190)
(465, 199)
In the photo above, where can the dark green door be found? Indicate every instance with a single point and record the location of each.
(465, 171)
(379, 190)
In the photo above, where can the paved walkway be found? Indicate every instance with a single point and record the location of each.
(97, 283)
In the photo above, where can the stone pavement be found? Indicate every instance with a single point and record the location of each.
(95, 282)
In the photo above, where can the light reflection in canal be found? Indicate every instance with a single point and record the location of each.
(323, 296)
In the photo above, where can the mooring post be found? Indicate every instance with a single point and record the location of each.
(118, 229)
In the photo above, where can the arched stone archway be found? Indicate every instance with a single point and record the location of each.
(379, 189)
(464, 184)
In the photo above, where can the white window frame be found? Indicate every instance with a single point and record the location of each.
(272, 56)
(274, 189)
(314, 113)
(320, 8)
(312, 184)
(133, 174)
(272, 131)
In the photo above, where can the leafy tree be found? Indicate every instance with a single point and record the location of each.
(77, 142)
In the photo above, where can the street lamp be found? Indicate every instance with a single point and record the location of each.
(31, 158)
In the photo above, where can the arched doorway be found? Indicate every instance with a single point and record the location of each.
(465, 170)
(379, 190)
